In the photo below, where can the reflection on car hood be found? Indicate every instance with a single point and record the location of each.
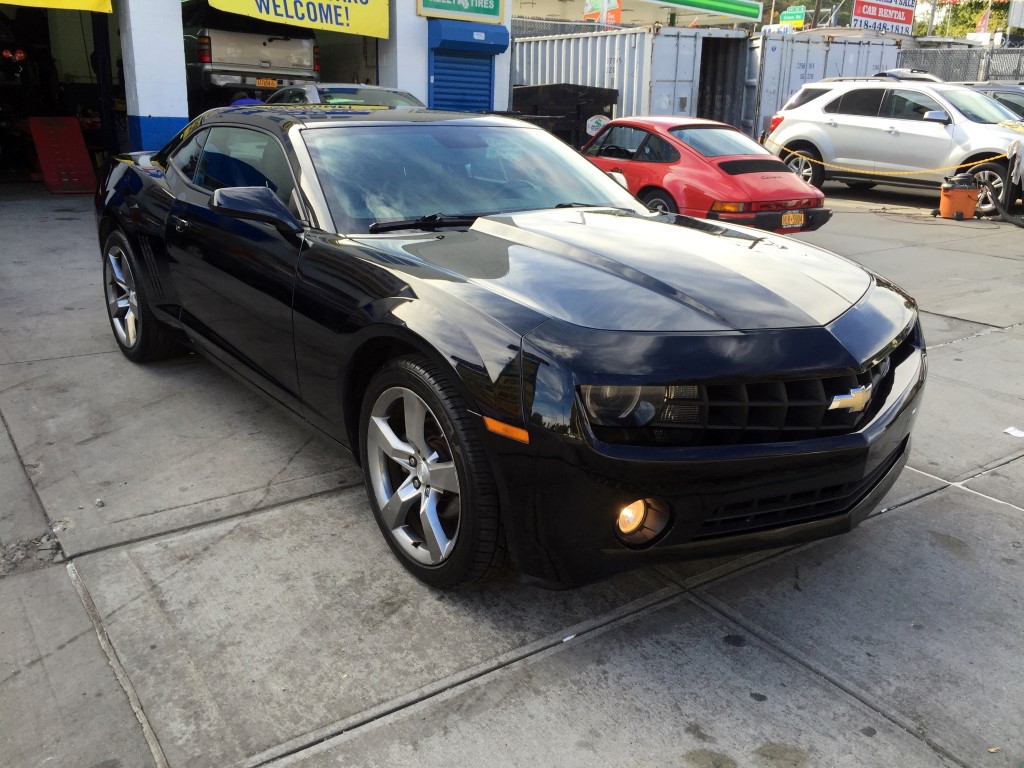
(621, 271)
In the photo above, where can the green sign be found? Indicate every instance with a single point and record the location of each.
(485, 11)
(794, 13)
(740, 9)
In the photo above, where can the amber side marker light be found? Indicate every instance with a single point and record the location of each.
(506, 430)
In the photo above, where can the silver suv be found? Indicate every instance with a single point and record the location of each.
(858, 131)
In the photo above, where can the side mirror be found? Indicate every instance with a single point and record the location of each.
(937, 116)
(254, 204)
(620, 178)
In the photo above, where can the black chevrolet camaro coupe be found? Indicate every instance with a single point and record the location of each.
(526, 363)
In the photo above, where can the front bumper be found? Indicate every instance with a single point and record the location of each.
(565, 497)
(814, 218)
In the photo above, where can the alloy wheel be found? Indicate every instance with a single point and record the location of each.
(993, 179)
(803, 167)
(122, 299)
(415, 480)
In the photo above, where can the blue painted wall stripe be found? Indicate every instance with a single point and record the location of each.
(152, 133)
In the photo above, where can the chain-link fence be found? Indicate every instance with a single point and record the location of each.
(958, 64)
(526, 27)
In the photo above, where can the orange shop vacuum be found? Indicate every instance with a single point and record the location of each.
(958, 198)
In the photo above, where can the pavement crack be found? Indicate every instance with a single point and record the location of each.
(215, 521)
(642, 606)
(115, 664)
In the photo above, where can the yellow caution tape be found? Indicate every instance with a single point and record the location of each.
(888, 173)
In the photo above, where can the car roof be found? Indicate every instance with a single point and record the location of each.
(280, 117)
(670, 121)
(849, 83)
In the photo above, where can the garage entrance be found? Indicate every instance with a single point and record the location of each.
(64, 64)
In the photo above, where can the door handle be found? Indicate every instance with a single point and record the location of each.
(833, 123)
(180, 224)
(892, 129)
(615, 170)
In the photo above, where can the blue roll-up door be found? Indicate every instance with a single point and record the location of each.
(461, 81)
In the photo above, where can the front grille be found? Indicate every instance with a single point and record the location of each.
(766, 411)
(792, 508)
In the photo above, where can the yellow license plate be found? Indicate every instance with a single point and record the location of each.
(266, 82)
(792, 219)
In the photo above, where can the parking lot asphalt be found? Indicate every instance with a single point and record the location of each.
(194, 579)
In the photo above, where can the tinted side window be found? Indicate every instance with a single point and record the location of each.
(239, 157)
(186, 157)
(657, 150)
(910, 105)
(862, 101)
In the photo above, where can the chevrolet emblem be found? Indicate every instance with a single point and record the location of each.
(855, 401)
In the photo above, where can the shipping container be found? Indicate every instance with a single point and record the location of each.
(720, 74)
(787, 62)
(656, 70)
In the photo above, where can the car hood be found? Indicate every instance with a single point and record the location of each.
(766, 179)
(997, 133)
(621, 271)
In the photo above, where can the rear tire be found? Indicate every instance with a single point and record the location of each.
(427, 478)
(140, 336)
(806, 163)
(660, 201)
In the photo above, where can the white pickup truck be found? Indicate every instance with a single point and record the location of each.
(227, 52)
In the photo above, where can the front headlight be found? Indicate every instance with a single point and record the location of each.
(629, 406)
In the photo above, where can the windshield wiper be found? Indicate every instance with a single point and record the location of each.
(594, 205)
(430, 221)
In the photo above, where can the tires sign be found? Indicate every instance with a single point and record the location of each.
(884, 15)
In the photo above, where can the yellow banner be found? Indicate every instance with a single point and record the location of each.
(355, 17)
(99, 6)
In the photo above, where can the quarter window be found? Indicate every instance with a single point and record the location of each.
(657, 150)
(186, 157)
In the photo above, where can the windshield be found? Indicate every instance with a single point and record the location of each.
(382, 173)
(374, 97)
(716, 142)
(979, 108)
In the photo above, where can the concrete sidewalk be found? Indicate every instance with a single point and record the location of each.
(224, 598)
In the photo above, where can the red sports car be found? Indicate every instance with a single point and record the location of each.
(706, 169)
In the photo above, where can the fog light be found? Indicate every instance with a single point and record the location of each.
(632, 517)
(642, 522)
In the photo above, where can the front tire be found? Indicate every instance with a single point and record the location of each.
(429, 483)
(140, 336)
(660, 201)
(806, 163)
(995, 175)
